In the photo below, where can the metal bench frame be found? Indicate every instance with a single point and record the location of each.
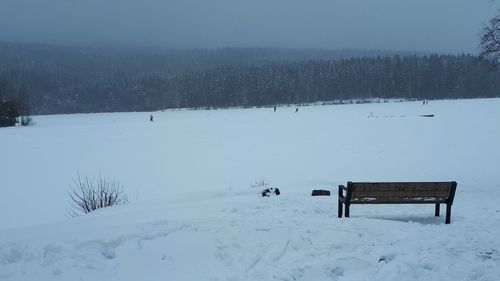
(398, 193)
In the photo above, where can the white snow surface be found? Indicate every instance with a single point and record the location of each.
(193, 214)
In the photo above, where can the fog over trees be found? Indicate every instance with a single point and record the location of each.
(445, 26)
(54, 79)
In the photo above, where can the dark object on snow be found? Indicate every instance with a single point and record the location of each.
(268, 191)
(275, 109)
(151, 118)
(398, 193)
(427, 115)
(319, 192)
(385, 259)
(297, 109)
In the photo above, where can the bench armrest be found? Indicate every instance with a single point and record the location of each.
(343, 187)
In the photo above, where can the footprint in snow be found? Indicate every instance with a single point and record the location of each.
(488, 255)
(13, 255)
(336, 272)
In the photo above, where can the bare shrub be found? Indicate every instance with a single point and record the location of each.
(261, 183)
(25, 120)
(89, 194)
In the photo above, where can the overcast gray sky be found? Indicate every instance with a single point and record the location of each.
(414, 25)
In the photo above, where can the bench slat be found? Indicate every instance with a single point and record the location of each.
(398, 200)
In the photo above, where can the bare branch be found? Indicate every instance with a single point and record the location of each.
(89, 194)
(490, 41)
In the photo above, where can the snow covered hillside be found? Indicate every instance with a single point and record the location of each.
(194, 215)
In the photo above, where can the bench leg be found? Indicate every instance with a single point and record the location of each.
(341, 194)
(437, 210)
(448, 213)
(340, 209)
(347, 210)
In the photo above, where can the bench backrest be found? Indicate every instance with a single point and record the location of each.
(401, 192)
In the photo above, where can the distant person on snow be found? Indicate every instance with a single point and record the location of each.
(151, 118)
(296, 110)
(275, 109)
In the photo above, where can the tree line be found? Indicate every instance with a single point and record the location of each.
(51, 79)
(409, 77)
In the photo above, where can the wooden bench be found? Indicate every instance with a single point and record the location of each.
(398, 193)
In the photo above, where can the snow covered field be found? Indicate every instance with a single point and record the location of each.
(194, 215)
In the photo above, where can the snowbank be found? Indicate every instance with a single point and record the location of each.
(195, 216)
